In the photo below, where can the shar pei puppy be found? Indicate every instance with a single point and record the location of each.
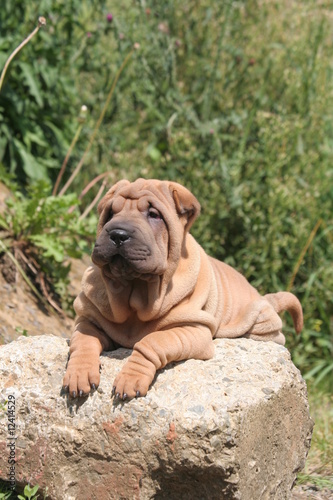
(152, 288)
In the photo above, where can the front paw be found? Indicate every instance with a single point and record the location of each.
(81, 376)
(130, 384)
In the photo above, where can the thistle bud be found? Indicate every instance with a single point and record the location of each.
(83, 113)
(41, 21)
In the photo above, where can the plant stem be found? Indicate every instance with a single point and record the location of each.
(92, 183)
(302, 254)
(88, 187)
(69, 152)
(95, 200)
(207, 103)
(25, 277)
(41, 22)
(98, 123)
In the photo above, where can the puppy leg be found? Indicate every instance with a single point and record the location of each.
(268, 326)
(258, 321)
(155, 351)
(86, 345)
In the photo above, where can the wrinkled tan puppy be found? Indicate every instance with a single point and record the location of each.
(153, 289)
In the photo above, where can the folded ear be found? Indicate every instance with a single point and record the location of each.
(187, 206)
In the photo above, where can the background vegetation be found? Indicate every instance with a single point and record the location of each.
(233, 99)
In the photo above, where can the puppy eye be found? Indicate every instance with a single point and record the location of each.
(110, 215)
(154, 214)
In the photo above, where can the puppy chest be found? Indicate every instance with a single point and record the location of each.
(128, 333)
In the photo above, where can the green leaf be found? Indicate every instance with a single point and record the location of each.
(315, 370)
(30, 491)
(32, 83)
(59, 135)
(3, 223)
(32, 168)
(50, 245)
(4, 496)
(154, 153)
(36, 138)
(324, 373)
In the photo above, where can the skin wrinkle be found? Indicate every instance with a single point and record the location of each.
(166, 303)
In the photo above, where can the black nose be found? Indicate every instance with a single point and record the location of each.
(118, 236)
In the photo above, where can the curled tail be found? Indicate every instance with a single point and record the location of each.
(286, 301)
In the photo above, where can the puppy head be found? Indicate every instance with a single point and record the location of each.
(142, 228)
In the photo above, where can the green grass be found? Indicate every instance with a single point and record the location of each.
(29, 493)
(319, 465)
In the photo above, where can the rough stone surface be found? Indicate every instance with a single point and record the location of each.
(234, 427)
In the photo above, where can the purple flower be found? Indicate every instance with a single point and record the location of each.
(109, 18)
(88, 34)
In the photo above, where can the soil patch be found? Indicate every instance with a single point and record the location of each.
(21, 313)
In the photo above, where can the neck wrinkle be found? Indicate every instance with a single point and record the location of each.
(150, 300)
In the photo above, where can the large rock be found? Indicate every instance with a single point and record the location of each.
(234, 427)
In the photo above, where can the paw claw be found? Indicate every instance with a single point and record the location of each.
(124, 396)
(137, 394)
(74, 394)
(93, 386)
